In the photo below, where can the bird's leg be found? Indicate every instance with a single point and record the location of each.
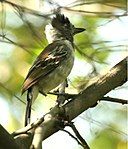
(61, 98)
(58, 89)
(66, 82)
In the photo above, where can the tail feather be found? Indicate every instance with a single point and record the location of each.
(28, 108)
(32, 94)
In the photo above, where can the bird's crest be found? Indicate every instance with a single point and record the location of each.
(60, 19)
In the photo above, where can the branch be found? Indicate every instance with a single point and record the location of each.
(95, 13)
(27, 10)
(115, 77)
(6, 140)
(83, 142)
(72, 136)
(117, 100)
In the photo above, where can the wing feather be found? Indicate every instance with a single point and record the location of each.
(49, 59)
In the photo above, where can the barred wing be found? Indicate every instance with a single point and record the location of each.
(48, 60)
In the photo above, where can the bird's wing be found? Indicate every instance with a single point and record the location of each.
(49, 59)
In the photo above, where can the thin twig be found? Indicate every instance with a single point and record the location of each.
(3, 18)
(100, 14)
(117, 100)
(29, 127)
(74, 4)
(100, 124)
(17, 44)
(28, 10)
(66, 95)
(30, 27)
(12, 94)
(83, 142)
(72, 136)
(88, 56)
(72, 96)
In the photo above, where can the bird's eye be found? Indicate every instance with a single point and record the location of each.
(73, 26)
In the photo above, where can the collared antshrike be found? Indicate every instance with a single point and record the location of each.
(54, 63)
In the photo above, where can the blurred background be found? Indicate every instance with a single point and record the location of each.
(100, 47)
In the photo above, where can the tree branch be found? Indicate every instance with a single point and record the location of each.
(6, 140)
(83, 142)
(117, 76)
(99, 14)
(117, 100)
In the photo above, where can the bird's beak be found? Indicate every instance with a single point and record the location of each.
(78, 30)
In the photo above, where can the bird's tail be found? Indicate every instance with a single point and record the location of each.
(31, 96)
(28, 107)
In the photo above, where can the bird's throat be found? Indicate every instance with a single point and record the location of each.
(52, 34)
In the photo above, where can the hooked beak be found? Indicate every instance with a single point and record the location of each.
(78, 30)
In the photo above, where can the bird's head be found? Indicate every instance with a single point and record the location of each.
(64, 28)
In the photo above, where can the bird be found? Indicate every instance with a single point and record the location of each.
(53, 65)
